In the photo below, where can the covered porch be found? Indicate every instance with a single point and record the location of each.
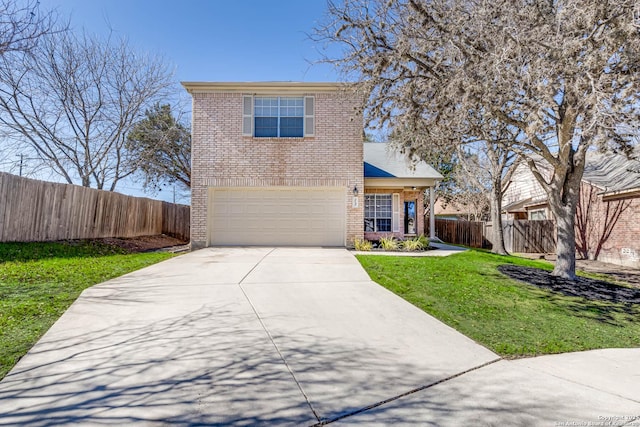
(396, 192)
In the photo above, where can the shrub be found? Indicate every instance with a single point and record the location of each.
(389, 243)
(423, 240)
(362, 245)
(415, 244)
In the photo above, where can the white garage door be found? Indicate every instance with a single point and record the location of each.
(277, 216)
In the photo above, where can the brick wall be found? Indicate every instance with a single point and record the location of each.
(405, 195)
(222, 157)
(623, 245)
(608, 229)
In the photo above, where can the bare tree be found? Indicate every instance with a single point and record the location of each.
(484, 160)
(22, 24)
(490, 168)
(561, 76)
(74, 99)
(466, 194)
(472, 202)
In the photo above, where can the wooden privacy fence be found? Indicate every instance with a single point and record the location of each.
(468, 233)
(522, 236)
(32, 210)
(176, 220)
(527, 236)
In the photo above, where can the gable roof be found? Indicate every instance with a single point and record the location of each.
(381, 162)
(371, 171)
(612, 172)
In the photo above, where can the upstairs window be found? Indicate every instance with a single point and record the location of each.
(278, 116)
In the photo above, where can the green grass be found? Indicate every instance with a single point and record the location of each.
(39, 281)
(467, 292)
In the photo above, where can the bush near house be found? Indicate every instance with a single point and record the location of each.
(362, 245)
(392, 244)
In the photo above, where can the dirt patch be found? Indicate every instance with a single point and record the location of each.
(596, 290)
(146, 243)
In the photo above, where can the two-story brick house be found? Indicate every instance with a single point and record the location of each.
(282, 163)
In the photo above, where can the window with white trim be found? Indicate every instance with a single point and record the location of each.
(278, 116)
(378, 212)
(538, 214)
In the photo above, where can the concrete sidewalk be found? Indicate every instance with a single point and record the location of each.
(290, 336)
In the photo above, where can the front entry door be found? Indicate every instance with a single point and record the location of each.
(410, 217)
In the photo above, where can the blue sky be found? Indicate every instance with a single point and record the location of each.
(214, 40)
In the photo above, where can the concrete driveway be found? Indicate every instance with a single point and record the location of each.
(290, 336)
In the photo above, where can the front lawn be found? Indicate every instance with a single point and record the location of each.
(39, 281)
(512, 318)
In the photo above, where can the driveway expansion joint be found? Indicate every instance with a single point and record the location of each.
(408, 393)
(254, 267)
(264, 327)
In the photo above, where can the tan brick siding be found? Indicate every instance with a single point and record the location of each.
(405, 195)
(223, 157)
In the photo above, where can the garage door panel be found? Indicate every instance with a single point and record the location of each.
(277, 216)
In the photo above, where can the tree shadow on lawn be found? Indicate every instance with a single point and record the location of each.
(601, 299)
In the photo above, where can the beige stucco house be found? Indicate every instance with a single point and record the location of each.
(283, 163)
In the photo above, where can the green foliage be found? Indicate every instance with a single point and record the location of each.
(467, 292)
(163, 147)
(39, 281)
(362, 245)
(45, 250)
(389, 243)
(423, 240)
(412, 244)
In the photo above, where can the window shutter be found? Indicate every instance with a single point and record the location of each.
(396, 212)
(247, 115)
(309, 116)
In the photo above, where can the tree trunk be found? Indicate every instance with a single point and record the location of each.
(566, 242)
(496, 220)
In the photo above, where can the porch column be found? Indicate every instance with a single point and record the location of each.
(432, 215)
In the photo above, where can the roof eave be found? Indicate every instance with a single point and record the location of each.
(621, 194)
(262, 87)
(399, 182)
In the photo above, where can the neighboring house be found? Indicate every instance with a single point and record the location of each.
(524, 197)
(607, 218)
(455, 211)
(282, 163)
(444, 210)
